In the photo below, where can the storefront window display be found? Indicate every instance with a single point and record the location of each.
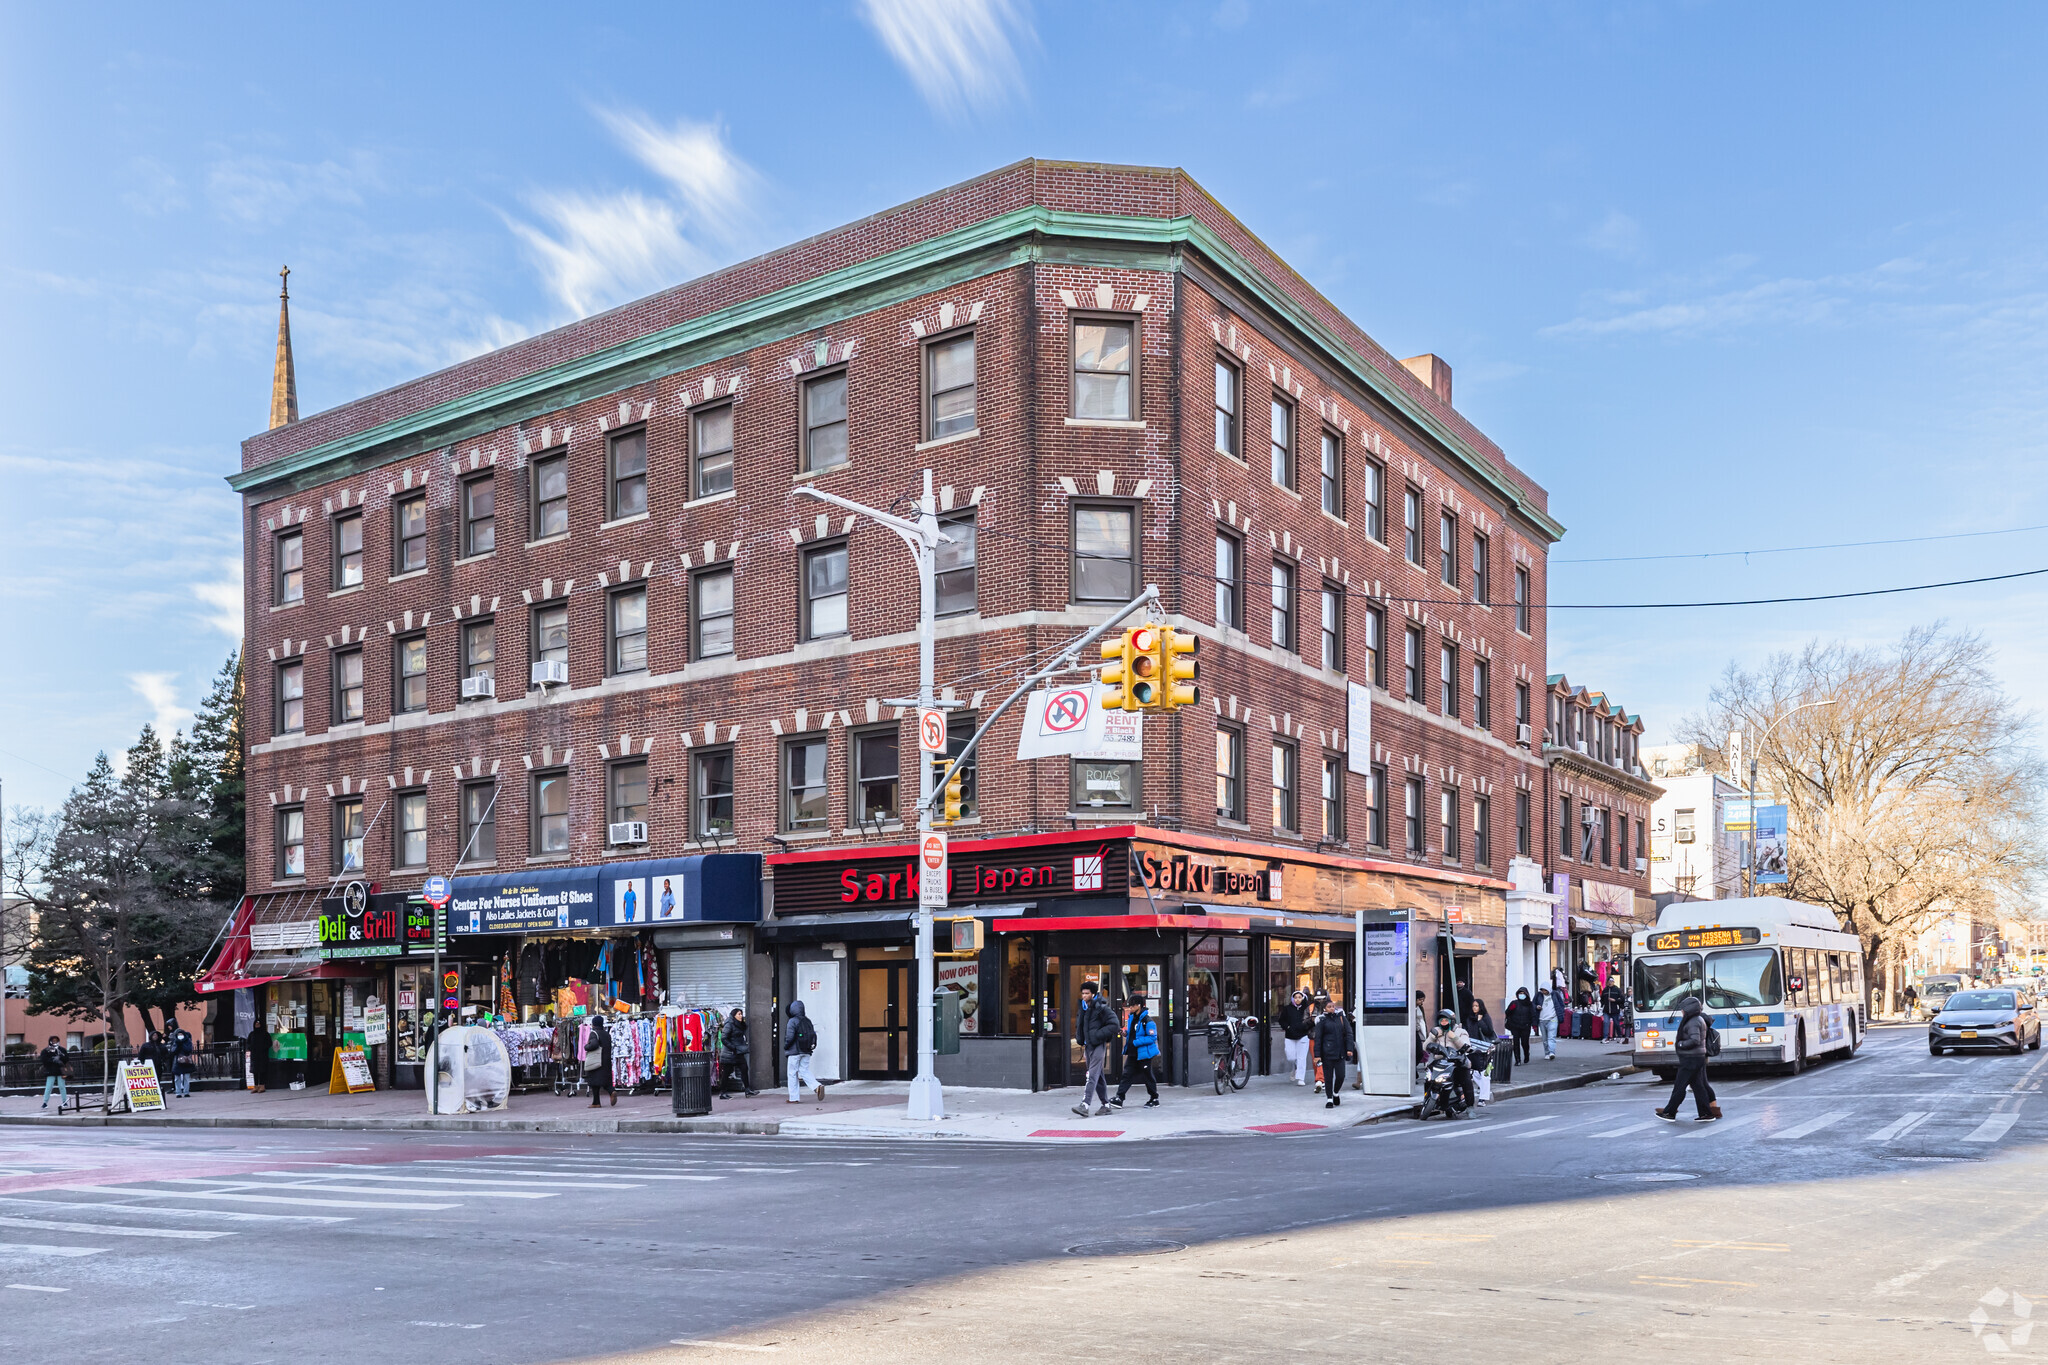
(1017, 995)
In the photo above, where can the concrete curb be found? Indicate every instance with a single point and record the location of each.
(762, 1127)
(1508, 1092)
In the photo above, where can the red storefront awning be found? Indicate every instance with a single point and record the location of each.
(1067, 922)
(210, 982)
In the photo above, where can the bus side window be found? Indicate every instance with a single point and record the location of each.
(1804, 957)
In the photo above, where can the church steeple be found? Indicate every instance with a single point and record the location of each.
(284, 385)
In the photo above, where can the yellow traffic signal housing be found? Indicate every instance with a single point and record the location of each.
(1143, 670)
(1116, 672)
(956, 786)
(1180, 669)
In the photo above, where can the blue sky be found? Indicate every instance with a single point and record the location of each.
(1720, 276)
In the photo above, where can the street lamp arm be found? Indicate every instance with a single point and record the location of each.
(909, 530)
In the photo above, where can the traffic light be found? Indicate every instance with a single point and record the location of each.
(1143, 667)
(953, 783)
(1181, 670)
(1116, 672)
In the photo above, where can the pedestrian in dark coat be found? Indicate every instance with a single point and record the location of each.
(184, 1061)
(599, 1045)
(1478, 1022)
(1694, 1032)
(257, 1048)
(1141, 1049)
(1335, 1042)
(1095, 1028)
(1522, 1018)
(1297, 1017)
(734, 1047)
(54, 1060)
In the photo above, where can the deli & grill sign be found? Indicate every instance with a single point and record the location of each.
(358, 923)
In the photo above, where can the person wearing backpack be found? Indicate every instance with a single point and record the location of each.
(1697, 1041)
(799, 1041)
(1141, 1047)
(1095, 1030)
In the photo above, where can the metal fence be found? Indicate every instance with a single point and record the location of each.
(220, 1068)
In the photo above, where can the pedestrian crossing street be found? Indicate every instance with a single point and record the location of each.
(50, 1224)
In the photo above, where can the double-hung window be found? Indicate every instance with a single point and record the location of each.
(1447, 677)
(629, 631)
(1411, 663)
(348, 552)
(1522, 831)
(1482, 831)
(480, 650)
(953, 578)
(711, 613)
(1411, 526)
(1376, 809)
(1105, 371)
(291, 698)
(825, 590)
(1227, 424)
(479, 822)
(1333, 798)
(1376, 500)
(550, 834)
(348, 835)
(627, 454)
(290, 584)
(409, 831)
(1376, 647)
(1447, 548)
(627, 799)
(1447, 813)
(1281, 439)
(711, 793)
(1229, 773)
(479, 516)
(1283, 605)
(1521, 709)
(410, 674)
(409, 534)
(551, 496)
(1411, 815)
(1286, 788)
(803, 784)
(1482, 694)
(1229, 582)
(1333, 473)
(824, 409)
(1565, 844)
(291, 842)
(1482, 570)
(1333, 628)
(1521, 599)
(711, 451)
(1105, 567)
(949, 387)
(551, 633)
(1102, 785)
(876, 760)
(348, 686)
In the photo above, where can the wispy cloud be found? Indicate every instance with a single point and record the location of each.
(223, 600)
(159, 692)
(1617, 234)
(960, 54)
(261, 191)
(1716, 304)
(594, 250)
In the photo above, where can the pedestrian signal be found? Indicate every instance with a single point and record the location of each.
(1180, 669)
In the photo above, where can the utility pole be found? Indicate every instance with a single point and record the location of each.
(927, 1097)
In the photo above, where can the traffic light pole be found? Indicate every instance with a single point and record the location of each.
(923, 536)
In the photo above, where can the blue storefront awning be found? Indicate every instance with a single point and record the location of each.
(715, 887)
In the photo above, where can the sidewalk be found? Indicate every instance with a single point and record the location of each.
(1270, 1105)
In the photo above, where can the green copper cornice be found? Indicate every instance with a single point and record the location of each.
(980, 249)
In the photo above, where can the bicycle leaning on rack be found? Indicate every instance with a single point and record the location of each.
(1227, 1046)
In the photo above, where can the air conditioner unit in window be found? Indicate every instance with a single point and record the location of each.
(1642, 866)
(628, 832)
(550, 671)
(1522, 735)
(480, 686)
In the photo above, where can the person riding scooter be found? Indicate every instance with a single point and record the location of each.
(1452, 1041)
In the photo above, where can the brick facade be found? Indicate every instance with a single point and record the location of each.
(1015, 257)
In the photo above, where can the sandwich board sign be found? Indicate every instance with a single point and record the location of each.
(137, 1089)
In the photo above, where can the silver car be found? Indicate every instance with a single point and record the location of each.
(2001, 1018)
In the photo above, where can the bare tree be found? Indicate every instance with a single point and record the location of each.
(1915, 795)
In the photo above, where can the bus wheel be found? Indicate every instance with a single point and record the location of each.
(1855, 1039)
(1798, 1062)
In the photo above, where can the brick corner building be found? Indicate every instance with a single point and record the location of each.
(552, 622)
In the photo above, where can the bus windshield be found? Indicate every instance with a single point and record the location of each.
(1744, 980)
(1662, 983)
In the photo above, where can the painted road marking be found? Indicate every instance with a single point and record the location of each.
(1992, 1129)
(139, 1191)
(328, 1187)
(510, 1179)
(1901, 1126)
(1813, 1125)
(234, 1214)
(33, 1249)
(1489, 1127)
(109, 1229)
(1723, 1125)
(1631, 1128)
(39, 1288)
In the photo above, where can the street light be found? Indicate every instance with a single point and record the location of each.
(1749, 862)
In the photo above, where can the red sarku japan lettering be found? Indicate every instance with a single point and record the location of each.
(889, 886)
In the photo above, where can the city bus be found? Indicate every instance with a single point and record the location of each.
(1779, 979)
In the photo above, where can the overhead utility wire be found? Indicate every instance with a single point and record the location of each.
(1797, 549)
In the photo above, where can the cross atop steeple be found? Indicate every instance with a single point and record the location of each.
(284, 384)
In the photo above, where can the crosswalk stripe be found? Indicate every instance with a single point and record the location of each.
(236, 1215)
(1631, 1128)
(1900, 1126)
(34, 1249)
(1723, 1125)
(327, 1186)
(1488, 1127)
(1812, 1125)
(1992, 1129)
(110, 1229)
(1538, 1132)
(291, 1201)
(516, 1170)
(454, 1180)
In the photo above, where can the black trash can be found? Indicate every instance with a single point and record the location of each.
(691, 1072)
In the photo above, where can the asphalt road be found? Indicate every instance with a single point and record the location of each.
(1861, 1211)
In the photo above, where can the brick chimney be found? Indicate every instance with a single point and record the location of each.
(1434, 371)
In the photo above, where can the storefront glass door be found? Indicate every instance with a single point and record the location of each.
(1104, 977)
(882, 1024)
(1066, 1061)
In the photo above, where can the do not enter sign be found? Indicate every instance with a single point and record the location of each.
(931, 870)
